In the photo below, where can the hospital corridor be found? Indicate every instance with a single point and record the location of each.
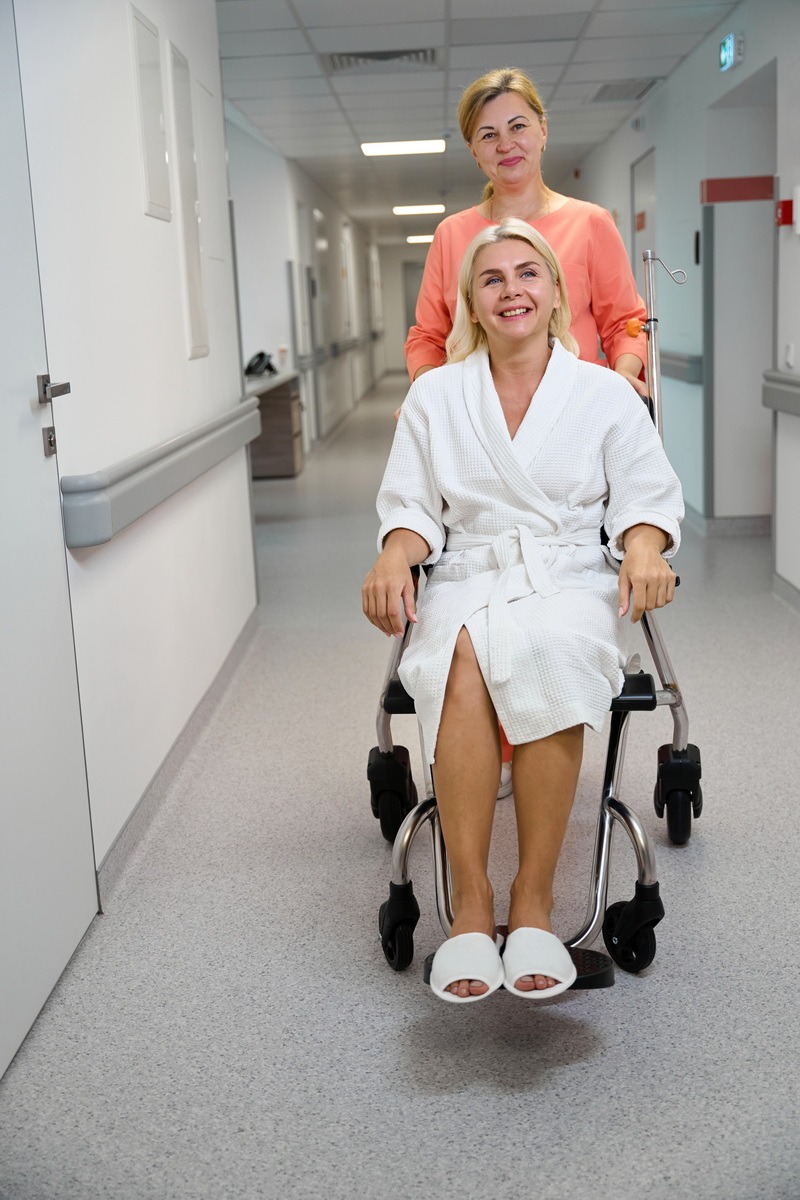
(205, 301)
(229, 1026)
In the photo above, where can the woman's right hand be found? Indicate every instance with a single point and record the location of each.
(389, 592)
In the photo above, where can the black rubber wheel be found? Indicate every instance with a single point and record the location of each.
(679, 817)
(391, 811)
(632, 956)
(398, 948)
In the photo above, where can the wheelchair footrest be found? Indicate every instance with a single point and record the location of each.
(595, 970)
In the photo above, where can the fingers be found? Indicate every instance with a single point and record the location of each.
(386, 602)
(396, 414)
(641, 592)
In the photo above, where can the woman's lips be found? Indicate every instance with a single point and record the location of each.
(510, 162)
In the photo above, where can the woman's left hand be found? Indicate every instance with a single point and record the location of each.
(630, 368)
(646, 580)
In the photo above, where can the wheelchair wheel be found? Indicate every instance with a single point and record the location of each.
(398, 947)
(393, 807)
(679, 817)
(637, 953)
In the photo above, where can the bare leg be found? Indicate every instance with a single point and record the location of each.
(545, 778)
(467, 772)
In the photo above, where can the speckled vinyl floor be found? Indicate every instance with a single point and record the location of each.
(229, 1028)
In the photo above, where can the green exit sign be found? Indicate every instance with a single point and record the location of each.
(731, 51)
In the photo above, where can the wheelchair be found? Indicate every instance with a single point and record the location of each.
(627, 927)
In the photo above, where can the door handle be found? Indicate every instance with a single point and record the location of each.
(48, 391)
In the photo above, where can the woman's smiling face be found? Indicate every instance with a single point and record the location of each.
(513, 292)
(508, 139)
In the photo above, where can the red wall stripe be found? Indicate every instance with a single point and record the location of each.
(746, 187)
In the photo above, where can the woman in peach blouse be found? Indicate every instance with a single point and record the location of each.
(504, 125)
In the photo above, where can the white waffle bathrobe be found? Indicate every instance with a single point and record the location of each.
(514, 530)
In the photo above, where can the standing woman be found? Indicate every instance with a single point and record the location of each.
(503, 122)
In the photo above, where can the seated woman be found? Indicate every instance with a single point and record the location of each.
(506, 462)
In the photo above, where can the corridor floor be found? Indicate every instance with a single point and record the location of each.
(229, 1028)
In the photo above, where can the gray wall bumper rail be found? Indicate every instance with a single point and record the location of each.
(100, 505)
(781, 392)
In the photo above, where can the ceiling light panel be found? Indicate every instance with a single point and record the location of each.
(414, 210)
(419, 239)
(527, 53)
(379, 149)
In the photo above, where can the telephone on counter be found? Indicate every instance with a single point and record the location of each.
(261, 364)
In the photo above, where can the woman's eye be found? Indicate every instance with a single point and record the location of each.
(486, 137)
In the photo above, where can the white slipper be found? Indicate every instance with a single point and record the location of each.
(467, 956)
(537, 952)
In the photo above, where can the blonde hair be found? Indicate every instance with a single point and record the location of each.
(466, 335)
(489, 87)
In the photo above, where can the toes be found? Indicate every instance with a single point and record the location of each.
(467, 987)
(535, 983)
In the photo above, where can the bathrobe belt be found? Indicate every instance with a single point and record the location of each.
(516, 545)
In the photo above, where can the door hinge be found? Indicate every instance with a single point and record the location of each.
(49, 439)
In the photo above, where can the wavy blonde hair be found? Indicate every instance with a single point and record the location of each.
(489, 87)
(466, 335)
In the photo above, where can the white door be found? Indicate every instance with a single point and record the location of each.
(48, 893)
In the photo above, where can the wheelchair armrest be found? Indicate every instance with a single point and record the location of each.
(638, 694)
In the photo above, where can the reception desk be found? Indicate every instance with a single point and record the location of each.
(277, 452)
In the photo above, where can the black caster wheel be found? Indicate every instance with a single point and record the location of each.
(393, 808)
(636, 953)
(393, 792)
(397, 921)
(679, 817)
(398, 948)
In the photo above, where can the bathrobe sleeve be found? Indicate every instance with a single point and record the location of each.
(643, 488)
(409, 497)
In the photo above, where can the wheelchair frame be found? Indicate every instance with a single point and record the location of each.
(627, 927)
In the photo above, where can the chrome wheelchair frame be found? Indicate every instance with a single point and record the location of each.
(627, 927)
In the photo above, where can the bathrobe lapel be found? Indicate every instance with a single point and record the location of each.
(513, 460)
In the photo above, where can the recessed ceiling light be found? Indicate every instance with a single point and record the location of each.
(436, 146)
(413, 210)
(420, 237)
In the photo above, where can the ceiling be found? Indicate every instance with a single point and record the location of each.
(318, 77)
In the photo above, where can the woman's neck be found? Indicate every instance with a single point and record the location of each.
(519, 364)
(527, 203)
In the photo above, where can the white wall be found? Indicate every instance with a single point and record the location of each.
(156, 610)
(392, 259)
(695, 136)
(281, 215)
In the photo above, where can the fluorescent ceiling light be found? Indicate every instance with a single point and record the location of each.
(413, 210)
(420, 237)
(432, 147)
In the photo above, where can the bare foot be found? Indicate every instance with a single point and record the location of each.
(530, 913)
(475, 916)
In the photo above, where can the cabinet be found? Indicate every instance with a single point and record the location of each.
(278, 449)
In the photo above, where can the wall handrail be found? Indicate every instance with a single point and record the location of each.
(99, 505)
(781, 392)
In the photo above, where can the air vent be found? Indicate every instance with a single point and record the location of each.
(376, 61)
(626, 89)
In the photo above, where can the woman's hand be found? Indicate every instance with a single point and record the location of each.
(388, 590)
(630, 368)
(646, 581)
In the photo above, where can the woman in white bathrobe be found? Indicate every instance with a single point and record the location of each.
(506, 462)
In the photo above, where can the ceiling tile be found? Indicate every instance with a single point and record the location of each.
(244, 89)
(631, 49)
(314, 13)
(411, 81)
(268, 41)
(485, 30)
(648, 68)
(235, 15)
(525, 55)
(476, 9)
(290, 66)
(418, 35)
(699, 19)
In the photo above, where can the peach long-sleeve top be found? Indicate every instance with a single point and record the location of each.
(600, 283)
